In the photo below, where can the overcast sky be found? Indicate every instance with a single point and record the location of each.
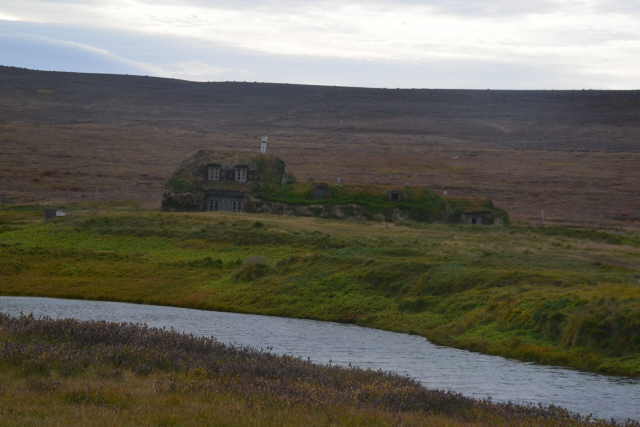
(499, 44)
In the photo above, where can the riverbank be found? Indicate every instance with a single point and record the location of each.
(551, 295)
(97, 373)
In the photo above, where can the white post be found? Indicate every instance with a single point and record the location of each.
(264, 141)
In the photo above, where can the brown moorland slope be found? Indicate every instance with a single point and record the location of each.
(573, 154)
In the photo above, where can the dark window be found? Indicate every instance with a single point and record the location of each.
(320, 191)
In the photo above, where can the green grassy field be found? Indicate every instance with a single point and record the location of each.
(551, 295)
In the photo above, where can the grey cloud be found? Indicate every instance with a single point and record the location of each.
(49, 54)
(618, 6)
(479, 8)
(485, 8)
(177, 57)
(452, 7)
(488, 8)
(284, 5)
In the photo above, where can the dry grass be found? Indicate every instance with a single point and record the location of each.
(63, 372)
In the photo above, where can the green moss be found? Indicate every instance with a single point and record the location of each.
(416, 204)
(181, 185)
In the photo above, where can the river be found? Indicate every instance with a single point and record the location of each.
(472, 374)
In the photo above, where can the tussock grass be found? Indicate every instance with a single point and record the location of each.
(97, 373)
(554, 296)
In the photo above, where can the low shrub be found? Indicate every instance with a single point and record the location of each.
(251, 272)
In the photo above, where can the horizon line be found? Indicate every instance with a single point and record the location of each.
(314, 84)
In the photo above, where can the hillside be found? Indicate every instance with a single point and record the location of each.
(573, 154)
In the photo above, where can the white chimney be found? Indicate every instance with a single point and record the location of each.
(264, 141)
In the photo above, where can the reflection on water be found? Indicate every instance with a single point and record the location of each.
(471, 374)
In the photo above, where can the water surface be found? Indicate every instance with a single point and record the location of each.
(472, 374)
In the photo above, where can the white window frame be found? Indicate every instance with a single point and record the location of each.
(241, 174)
(213, 173)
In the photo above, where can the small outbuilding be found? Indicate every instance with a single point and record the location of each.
(52, 213)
